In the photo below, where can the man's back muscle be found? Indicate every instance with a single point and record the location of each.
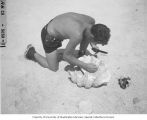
(69, 24)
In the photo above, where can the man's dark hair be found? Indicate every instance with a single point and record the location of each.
(101, 33)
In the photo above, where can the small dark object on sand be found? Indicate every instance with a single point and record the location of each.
(123, 82)
(136, 100)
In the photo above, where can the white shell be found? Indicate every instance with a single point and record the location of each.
(80, 81)
(88, 80)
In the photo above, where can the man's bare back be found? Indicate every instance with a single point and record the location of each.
(69, 25)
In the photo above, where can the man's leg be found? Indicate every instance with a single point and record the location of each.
(31, 54)
(41, 60)
(53, 61)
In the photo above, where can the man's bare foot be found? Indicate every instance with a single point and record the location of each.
(29, 53)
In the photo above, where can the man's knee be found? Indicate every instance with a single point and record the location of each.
(54, 69)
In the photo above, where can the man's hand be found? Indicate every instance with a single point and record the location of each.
(90, 67)
(96, 50)
(81, 53)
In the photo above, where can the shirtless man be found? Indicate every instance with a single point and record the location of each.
(79, 29)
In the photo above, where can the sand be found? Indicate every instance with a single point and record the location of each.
(29, 88)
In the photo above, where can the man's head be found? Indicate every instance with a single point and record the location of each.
(101, 34)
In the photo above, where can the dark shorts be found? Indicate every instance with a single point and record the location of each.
(50, 43)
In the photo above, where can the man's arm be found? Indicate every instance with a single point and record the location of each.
(83, 47)
(69, 51)
(69, 57)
